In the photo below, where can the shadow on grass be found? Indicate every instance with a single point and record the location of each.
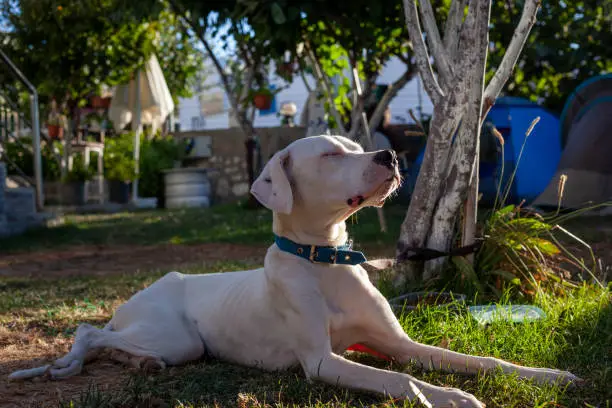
(588, 351)
(220, 224)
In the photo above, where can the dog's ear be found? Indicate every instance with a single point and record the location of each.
(272, 187)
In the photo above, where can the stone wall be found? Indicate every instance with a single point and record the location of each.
(223, 152)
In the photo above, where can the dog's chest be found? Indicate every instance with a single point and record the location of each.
(239, 323)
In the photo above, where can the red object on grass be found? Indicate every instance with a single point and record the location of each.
(364, 349)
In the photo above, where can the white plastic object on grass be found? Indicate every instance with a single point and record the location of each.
(513, 313)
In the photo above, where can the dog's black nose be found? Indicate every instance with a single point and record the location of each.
(386, 158)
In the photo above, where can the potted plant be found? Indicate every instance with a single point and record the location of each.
(262, 98)
(156, 155)
(56, 122)
(120, 177)
(73, 191)
(119, 167)
(99, 102)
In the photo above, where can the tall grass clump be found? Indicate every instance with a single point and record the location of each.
(524, 251)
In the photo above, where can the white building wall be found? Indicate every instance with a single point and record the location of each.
(408, 98)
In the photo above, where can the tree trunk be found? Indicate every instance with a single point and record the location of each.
(444, 176)
(465, 148)
(417, 223)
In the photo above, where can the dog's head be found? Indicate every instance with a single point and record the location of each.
(326, 173)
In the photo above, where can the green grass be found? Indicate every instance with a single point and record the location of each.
(224, 223)
(576, 335)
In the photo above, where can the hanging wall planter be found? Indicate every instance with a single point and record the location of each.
(262, 99)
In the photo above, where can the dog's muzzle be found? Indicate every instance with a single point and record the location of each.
(386, 158)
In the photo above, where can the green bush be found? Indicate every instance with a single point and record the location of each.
(20, 158)
(119, 158)
(157, 154)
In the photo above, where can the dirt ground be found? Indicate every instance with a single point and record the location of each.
(101, 261)
(28, 350)
(32, 348)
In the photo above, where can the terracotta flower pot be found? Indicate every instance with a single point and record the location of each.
(96, 102)
(55, 132)
(262, 101)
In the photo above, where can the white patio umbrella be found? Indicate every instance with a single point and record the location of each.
(144, 100)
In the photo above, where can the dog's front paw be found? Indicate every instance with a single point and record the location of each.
(553, 376)
(454, 398)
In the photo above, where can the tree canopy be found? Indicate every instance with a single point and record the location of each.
(570, 42)
(68, 50)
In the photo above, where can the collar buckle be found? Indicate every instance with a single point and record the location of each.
(313, 253)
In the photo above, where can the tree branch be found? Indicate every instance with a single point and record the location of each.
(388, 96)
(224, 79)
(248, 81)
(322, 80)
(528, 19)
(440, 55)
(306, 84)
(452, 27)
(420, 52)
(358, 105)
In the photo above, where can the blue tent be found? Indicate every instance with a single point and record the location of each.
(586, 121)
(542, 151)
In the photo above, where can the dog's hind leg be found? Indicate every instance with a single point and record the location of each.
(71, 363)
(87, 340)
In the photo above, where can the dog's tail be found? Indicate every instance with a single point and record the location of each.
(72, 363)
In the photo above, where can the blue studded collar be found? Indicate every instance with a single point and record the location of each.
(340, 255)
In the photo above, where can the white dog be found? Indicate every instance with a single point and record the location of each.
(309, 303)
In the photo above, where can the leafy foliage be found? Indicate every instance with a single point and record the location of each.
(119, 164)
(70, 50)
(346, 35)
(157, 154)
(570, 42)
(19, 157)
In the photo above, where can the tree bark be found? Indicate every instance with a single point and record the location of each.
(453, 27)
(464, 150)
(417, 223)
